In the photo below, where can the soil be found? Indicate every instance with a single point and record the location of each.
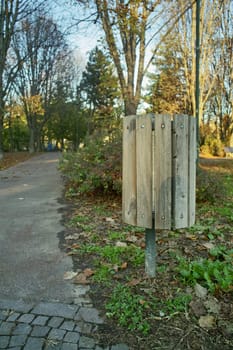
(12, 158)
(207, 321)
(170, 329)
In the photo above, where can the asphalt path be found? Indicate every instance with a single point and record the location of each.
(32, 266)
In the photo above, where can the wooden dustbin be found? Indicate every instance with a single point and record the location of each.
(159, 171)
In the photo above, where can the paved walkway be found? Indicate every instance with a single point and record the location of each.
(39, 310)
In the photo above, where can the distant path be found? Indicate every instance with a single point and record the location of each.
(31, 265)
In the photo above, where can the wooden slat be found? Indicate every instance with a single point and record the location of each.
(180, 171)
(144, 170)
(192, 170)
(162, 171)
(129, 188)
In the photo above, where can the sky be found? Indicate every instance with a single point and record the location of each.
(82, 38)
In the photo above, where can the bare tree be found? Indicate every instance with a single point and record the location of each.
(43, 44)
(131, 27)
(11, 12)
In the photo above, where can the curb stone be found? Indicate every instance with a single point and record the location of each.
(49, 326)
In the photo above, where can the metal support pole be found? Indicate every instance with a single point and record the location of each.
(150, 257)
(197, 84)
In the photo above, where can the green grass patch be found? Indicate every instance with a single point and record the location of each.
(128, 309)
(212, 274)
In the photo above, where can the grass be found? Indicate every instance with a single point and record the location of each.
(200, 254)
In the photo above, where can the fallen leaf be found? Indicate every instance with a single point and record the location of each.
(81, 278)
(212, 305)
(207, 322)
(133, 282)
(75, 246)
(192, 237)
(110, 220)
(208, 245)
(197, 307)
(124, 265)
(131, 238)
(200, 291)
(121, 244)
(69, 275)
(88, 272)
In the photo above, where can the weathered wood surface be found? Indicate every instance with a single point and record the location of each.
(192, 170)
(159, 171)
(129, 190)
(144, 171)
(180, 171)
(162, 172)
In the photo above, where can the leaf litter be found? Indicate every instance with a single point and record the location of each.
(207, 321)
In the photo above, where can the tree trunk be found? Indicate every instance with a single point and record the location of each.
(1, 128)
(1, 136)
(32, 140)
(130, 107)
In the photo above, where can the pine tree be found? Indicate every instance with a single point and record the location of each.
(100, 90)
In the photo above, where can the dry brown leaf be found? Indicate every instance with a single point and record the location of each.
(124, 265)
(133, 282)
(81, 278)
(207, 322)
(75, 246)
(88, 272)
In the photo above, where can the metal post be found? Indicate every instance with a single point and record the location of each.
(197, 87)
(150, 257)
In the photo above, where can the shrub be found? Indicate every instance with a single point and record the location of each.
(210, 186)
(96, 167)
(212, 146)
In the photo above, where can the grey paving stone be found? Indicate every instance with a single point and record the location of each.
(6, 328)
(13, 317)
(88, 314)
(16, 305)
(69, 346)
(101, 348)
(57, 334)
(86, 343)
(85, 328)
(26, 318)
(68, 325)
(72, 337)
(34, 344)
(18, 340)
(55, 322)
(16, 348)
(40, 331)
(40, 320)
(4, 341)
(120, 347)
(3, 315)
(52, 345)
(22, 328)
(56, 309)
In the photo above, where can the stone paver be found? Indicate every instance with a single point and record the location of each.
(56, 309)
(40, 320)
(50, 326)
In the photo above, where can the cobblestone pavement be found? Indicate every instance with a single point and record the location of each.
(49, 326)
(32, 266)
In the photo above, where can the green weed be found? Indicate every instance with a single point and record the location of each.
(177, 304)
(116, 236)
(213, 274)
(79, 219)
(129, 309)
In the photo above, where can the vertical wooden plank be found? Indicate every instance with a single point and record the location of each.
(129, 188)
(162, 172)
(192, 170)
(144, 170)
(180, 171)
